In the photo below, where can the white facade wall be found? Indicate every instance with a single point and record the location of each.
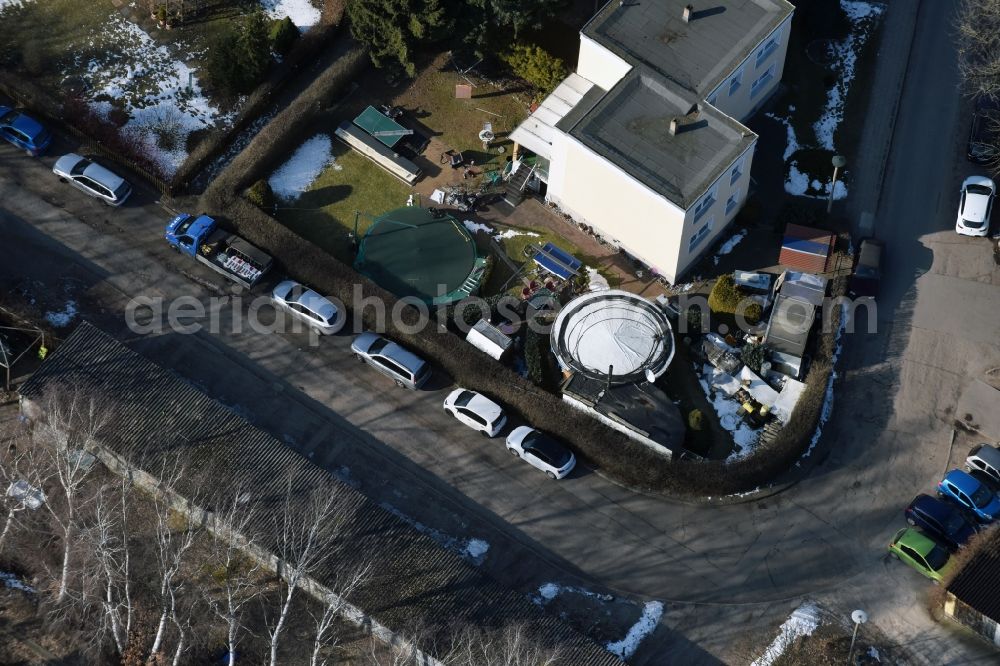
(596, 192)
(745, 98)
(631, 215)
(719, 214)
(600, 65)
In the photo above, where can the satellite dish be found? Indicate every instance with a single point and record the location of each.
(859, 617)
(486, 134)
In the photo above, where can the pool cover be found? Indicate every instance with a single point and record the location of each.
(411, 251)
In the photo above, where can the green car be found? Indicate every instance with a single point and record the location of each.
(921, 552)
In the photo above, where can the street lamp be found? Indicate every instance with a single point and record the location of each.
(859, 616)
(839, 161)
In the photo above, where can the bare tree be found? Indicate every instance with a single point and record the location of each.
(465, 646)
(235, 575)
(977, 28)
(305, 527)
(333, 606)
(69, 429)
(173, 536)
(16, 471)
(109, 542)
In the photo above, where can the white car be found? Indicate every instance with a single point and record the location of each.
(93, 179)
(541, 451)
(476, 411)
(975, 206)
(306, 305)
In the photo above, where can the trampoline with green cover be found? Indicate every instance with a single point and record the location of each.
(421, 252)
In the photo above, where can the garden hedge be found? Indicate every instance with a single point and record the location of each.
(618, 457)
(305, 50)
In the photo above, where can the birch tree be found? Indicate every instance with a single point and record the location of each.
(305, 527)
(325, 636)
(235, 576)
(16, 473)
(110, 537)
(173, 536)
(70, 427)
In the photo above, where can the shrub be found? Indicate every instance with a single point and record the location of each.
(261, 195)
(752, 356)
(238, 58)
(283, 35)
(536, 66)
(726, 296)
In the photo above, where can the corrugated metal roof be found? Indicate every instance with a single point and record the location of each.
(978, 583)
(416, 581)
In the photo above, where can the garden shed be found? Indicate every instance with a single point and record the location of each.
(806, 249)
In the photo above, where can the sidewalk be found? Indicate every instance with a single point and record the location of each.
(870, 156)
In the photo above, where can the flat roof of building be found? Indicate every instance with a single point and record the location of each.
(696, 54)
(630, 126)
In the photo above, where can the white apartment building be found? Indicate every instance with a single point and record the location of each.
(644, 142)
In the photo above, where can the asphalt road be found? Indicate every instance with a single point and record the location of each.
(721, 571)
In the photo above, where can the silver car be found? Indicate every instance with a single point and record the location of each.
(392, 360)
(307, 306)
(93, 179)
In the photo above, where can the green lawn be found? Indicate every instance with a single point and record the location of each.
(457, 122)
(325, 214)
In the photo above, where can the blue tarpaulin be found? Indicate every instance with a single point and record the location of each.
(558, 262)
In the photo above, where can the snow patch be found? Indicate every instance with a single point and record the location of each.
(160, 92)
(803, 621)
(549, 591)
(11, 580)
(626, 647)
(473, 550)
(296, 175)
(63, 317)
(8, 4)
(862, 16)
(728, 410)
(476, 227)
(597, 282)
(730, 245)
(827, 410)
(302, 12)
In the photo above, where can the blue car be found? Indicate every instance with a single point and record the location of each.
(971, 494)
(942, 520)
(23, 131)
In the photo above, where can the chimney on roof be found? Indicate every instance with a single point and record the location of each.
(673, 127)
(688, 11)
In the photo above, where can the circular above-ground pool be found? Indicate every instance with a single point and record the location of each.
(423, 253)
(616, 331)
